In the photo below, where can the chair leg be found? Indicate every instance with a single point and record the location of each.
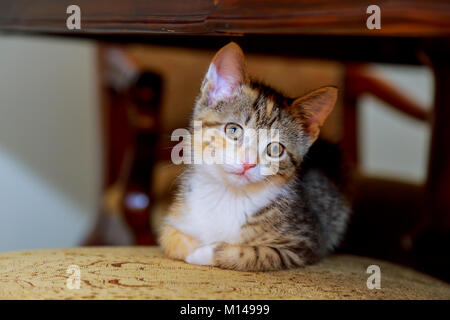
(432, 234)
(143, 100)
(130, 106)
(438, 184)
(350, 118)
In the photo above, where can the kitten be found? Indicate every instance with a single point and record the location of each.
(234, 216)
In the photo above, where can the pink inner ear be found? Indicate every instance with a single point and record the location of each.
(226, 73)
(317, 115)
(221, 86)
(313, 108)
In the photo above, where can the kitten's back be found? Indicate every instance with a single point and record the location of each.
(324, 176)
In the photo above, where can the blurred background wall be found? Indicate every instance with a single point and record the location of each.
(49, 142)
(394, 145)
(50, 161)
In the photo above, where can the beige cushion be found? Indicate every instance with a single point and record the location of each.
(143, 273)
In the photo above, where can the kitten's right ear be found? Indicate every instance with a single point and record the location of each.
(312, 109)
(226, 73)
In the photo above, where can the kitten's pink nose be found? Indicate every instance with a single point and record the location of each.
(247, 166)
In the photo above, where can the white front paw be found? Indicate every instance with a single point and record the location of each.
(202, 256)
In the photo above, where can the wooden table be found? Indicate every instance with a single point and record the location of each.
(143, 273)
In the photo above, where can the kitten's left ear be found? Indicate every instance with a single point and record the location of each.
(226, 73)
(312, 109)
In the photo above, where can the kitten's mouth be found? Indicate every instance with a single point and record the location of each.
(236, 173)
(242, 174)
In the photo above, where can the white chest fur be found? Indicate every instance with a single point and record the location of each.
(216, 212)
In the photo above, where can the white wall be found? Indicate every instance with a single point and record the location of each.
(49, 142)
(392, 144)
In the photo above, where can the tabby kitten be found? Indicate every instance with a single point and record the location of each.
(232, 215)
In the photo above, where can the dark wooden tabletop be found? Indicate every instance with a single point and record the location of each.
(331, 29)
(407, 18)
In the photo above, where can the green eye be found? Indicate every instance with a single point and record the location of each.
(233, 131)
(275, 149)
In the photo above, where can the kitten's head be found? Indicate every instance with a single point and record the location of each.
(234, 111)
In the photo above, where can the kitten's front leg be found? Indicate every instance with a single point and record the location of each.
(176, 244)
(245, 257)
(202, 256)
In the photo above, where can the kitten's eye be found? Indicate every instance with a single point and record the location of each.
(275, 149)
(233, 131)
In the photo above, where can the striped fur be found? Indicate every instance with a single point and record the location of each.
(257, 223)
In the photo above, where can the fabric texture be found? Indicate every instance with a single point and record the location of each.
(144, 273)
